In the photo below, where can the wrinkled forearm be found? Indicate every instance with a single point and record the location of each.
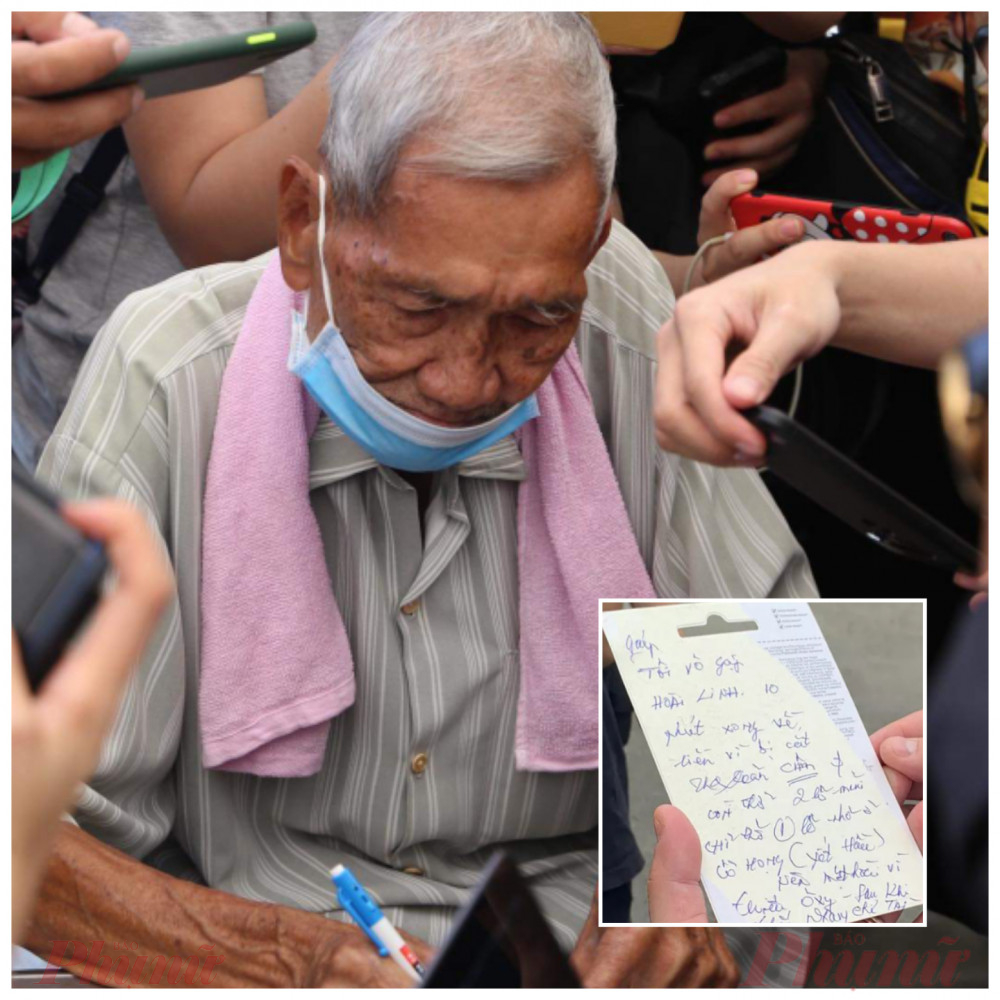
(109, 918)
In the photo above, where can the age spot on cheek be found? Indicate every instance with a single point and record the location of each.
(530, 353)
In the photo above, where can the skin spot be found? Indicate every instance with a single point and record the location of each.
(529, 354)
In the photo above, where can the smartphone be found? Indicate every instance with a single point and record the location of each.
(763, 71)
(837, 220)
(808, 464)
(206, 62)
(500, 938)
(56, 575)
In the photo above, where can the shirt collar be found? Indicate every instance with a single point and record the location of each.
(333, 456)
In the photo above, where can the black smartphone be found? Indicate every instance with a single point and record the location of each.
(808, 464)
(763, 71)
(56, 575)
(202, 62)
(500, 938)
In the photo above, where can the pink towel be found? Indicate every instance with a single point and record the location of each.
(276, 665)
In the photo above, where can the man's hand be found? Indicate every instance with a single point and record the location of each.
(785, 309)
(52, 52)
(56, 735)
(348, 960)
(900, 747)
(652, 956)
(789, 110)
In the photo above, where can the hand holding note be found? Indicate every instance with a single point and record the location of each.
(794, 820)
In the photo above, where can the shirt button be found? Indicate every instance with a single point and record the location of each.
(414, 871)
(419, 763)
(410, 608)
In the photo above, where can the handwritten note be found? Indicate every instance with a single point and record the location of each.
(796, 819)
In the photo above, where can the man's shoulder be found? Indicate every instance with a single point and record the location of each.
(628, 294)
(181, 329)
(163, 328)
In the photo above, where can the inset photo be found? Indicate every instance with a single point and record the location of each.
(776, 772)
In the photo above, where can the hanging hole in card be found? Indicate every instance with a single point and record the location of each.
(716, 625)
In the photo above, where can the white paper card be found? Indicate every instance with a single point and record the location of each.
(758, 741)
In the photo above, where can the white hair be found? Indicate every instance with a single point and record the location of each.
(508, 96)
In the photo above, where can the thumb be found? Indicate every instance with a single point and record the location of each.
(675, 895)
(904, 754)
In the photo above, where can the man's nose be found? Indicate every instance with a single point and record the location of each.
(465, 376)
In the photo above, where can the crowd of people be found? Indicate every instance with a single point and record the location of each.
(374, 370)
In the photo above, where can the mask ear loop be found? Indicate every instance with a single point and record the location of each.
(320, 236)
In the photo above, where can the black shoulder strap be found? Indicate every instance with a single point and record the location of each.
(973, 130)
(83, 194)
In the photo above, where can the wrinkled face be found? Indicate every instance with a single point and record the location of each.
(459, 299)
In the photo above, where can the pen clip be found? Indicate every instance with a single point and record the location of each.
(356, 916)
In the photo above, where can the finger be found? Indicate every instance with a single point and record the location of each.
(124, 620)
(775, 349)
(899, 783)
(747, 246)
(760, 144)
(716, 218)
(674, 887)
(679, 429)
(774, 103)
(969, 581)
(905, 755)
(691, 438)
(706, 331)
(48, 25)
(909, 725)
(46, 125)
(66, 64)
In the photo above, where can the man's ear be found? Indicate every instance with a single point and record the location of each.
(298, 216)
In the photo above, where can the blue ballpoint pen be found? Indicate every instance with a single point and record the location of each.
(363, 911)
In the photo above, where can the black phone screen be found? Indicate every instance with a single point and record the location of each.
(500, 939)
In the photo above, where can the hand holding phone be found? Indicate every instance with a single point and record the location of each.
(55, 53)
(757, 74)
(57, 733)
(204, 62)
(763, 130)
(837, 220)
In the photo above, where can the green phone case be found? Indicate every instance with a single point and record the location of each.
(207, 62)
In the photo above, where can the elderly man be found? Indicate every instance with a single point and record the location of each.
(394, 465)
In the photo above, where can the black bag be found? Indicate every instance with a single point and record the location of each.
(893, 136)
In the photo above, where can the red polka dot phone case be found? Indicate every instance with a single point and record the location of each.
(835, 220)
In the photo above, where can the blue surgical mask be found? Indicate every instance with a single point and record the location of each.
(391, 435)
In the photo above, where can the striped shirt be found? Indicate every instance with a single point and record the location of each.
(418, 786)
